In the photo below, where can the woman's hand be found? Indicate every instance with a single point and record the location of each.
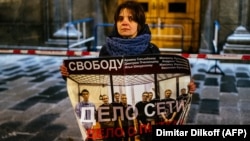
(64, 70)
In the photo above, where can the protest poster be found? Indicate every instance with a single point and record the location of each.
(153, 90)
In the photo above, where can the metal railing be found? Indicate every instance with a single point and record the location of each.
(175, 26)
(96, 32)
(80, 26)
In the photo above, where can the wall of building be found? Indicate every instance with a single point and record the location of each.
(227, 13)
(32, 23)
(25, 22)
(21, 22)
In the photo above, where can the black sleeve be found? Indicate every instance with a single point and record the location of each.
(154, 49)
(103, 51)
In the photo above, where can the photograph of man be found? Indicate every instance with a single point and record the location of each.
(150, 96)
(118, 105)
(105, 116)
(182, 100)
(116, 97)
(89, 116)
(152, 109)
(183, 95)
(128, 124)
(142, 119)
(170, 108)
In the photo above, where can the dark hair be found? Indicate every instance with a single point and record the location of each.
(137, 12)
(84, 90)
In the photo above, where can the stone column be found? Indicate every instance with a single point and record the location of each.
(239, 41)
(244, 12)
(72, 32)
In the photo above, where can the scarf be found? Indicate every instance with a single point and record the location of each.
(119, 46)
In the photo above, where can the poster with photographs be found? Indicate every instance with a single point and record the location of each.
(121, 98)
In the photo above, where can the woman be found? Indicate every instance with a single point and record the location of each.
(130, 36)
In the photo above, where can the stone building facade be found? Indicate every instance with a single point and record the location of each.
(32, 23)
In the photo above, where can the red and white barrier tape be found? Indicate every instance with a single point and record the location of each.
(242, 57)
(87, 53)
(48, 52)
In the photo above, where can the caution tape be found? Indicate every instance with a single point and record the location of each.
(48, 52)
(243, 57)
(218, 56)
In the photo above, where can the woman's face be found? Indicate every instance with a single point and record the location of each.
(126, 26)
